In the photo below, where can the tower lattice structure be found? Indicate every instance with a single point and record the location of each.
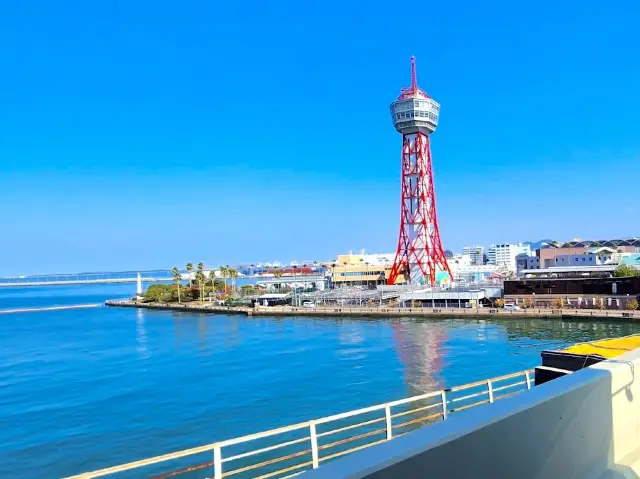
(420, 253)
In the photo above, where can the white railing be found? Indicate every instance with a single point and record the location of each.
(308, 444)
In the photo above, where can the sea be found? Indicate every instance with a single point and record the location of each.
(91, 388)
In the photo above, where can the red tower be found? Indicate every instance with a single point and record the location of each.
(420, 253)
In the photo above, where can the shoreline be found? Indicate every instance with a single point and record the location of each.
(456, 313)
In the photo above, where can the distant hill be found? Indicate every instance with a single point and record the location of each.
(537, 244)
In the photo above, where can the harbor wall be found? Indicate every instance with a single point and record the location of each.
(584, 425)
(424, 312)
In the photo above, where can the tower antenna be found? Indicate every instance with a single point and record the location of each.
(414, 79)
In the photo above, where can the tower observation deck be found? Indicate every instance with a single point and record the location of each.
(420, 254)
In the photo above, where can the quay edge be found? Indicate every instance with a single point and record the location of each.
(483, 313)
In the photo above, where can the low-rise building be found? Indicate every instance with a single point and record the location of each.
(573, 292)
(361, 269)
(475, 254)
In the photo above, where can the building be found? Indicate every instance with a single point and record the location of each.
(505, 254)
(550, 252)
(526, 261)
(475, 254)
(574, 292)
(361, 269)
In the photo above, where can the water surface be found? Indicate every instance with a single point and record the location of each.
(84, 389)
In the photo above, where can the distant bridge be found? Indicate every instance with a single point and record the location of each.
(85, 278)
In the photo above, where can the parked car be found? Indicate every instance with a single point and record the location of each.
(511, 307)
(308, 304)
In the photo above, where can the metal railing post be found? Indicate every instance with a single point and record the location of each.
(490, 387)
(528, 379)
(314, 444)
(443, 395)
(387, 413)
(217, 463)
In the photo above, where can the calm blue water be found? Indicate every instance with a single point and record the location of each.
(87, 389)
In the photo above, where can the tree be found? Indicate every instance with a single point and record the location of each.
(599, 304)
(277, 274)
(499, 303)
(632, 305)
(233, 274)
(625, 270)
(224, 271)
(158, 292)
(189, 268)
(558, 303)
(177, 277)
(528, 303)
(200, 278)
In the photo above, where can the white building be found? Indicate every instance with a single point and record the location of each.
(466, 273)
(475, 254)
(505, 254)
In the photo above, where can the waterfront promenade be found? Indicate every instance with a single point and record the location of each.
(334, 311)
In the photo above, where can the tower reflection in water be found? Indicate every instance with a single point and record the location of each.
(141, 335)
(420, 348)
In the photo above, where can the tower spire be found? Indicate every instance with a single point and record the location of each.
(414, 79)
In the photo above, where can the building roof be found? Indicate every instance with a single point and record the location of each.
(596, 243)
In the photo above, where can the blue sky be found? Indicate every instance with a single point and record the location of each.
(152, 133)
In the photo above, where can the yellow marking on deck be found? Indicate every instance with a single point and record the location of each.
(607, 348)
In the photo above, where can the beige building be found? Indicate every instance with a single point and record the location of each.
(361, 269)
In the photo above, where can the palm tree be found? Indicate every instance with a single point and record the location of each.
(177, 277)
(189, 268)
(277, 274)
(224, 271)
(233, 274)
(200, 278)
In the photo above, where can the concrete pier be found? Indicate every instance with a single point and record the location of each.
(334, 311)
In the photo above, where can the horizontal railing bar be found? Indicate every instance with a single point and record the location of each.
(353, 426)
(422, 418)
(469, 396)
(260, 435)
(467, 406)
(265, 449)
(484, 381)
(467, 386)
(507, 386)
(502, 396)
(410, 411)
(414, 398)
(144, 462)
(345, 415)
(197, 467)
(266, 463)
(512, 375)
(354, 438)
(286, 469)
(342, 453)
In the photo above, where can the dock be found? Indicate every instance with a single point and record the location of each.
(559, 362)
(334, 311)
